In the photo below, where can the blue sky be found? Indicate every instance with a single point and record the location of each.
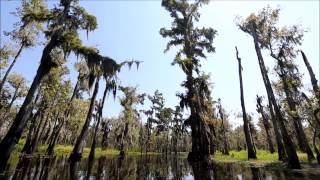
(130, 29)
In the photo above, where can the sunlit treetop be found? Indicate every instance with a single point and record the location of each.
(184, 33)
(26, 32)
(281, 41)
(19, 83)
(5, 53)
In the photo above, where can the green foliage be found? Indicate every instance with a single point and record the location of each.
(127, 131)
(18, 83)
(263, 156)
(27, 32)
(183, 33)
(5, 53)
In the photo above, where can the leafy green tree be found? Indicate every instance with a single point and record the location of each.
(25, 34)
(130, 116)
(19, 88)
(53, 94)
(6, 52)
(194, 41)
(164, 117)
(19, 84)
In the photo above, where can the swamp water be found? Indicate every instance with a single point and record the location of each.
(148, 167)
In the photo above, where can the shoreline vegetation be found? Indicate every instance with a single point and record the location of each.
(264, 157)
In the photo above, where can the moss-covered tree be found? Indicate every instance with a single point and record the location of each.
(194, 41)
(130, 117)
(25, 33)
(257, 26)
(63, 23)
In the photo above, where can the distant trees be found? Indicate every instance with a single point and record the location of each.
(178, 128)
(223, 129)
(130, 117)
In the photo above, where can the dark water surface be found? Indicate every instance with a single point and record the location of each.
(148, 167)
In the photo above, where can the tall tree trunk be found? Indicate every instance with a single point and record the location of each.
(316, 150)
(315, 86)
(225, 149)
(10, 68)
(45, 128)
(99, 117)
(13, 99)
(47, 134)
(313, 79)
(293, 160)
(200, 131)
(282, 156)
(76, 154)
(265, 123)
(13, 135)
(105, 136)
(301, 136)
(37, 134)
(31, 132)
(249, 141)
(123, 144)
(57, 127)
(54, 136)
(94, 140)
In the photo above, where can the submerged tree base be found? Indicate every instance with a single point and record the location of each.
(75, 157)
(197, 159)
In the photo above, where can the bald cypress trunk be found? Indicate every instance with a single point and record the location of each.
(99, 117)
(76, 154)
(282, 156)
(246, 128)
(315, 86)
(13, 135)
(293, 160)
(316, 150)
(14, 97)
(123, 143)
(265, 123)
(10, 67)
(225, 148)
(313, 79)
(301, 136)
(200, 131)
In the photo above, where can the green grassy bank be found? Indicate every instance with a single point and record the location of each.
(264, 157)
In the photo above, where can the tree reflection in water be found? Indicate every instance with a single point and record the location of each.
(143, 167)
